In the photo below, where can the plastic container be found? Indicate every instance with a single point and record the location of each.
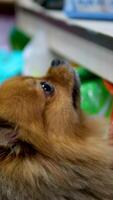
(37, 56)
(11, 64)
(51, 4)
(89, 9)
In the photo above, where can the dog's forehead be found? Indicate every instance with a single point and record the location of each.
(17, 82)
(62, 75)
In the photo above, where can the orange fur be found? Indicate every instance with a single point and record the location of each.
(48, 148)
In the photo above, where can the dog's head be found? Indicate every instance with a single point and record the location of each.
(41, 114)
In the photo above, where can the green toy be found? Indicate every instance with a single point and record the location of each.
(85, 74)
(18, 40)
(95, 99)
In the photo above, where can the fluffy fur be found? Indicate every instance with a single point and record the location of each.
(49, 150)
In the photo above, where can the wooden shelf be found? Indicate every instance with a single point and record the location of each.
(90, 43)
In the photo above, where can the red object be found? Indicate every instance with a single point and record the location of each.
(111, 129)
(109, 87)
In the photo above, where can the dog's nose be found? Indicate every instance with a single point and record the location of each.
(61, 63)
(57, 62)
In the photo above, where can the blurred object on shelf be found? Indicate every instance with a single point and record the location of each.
(11, 64)
(37, 56)
(41, 2)
(95, 99)
(51, 4)
(85, 9)
(18, 40)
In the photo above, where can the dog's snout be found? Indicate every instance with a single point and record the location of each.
(61, 63)
(57, 63)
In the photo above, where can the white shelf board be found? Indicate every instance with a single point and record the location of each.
(104, 27)
(94, 57)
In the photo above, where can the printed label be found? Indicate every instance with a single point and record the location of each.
(90, 5)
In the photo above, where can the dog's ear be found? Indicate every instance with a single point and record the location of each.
(8, 133)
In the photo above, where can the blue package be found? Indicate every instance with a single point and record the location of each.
(89, 9)
(11, 64)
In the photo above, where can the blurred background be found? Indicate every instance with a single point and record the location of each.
(33, 32)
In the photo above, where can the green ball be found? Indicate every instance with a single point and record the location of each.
(94, 97)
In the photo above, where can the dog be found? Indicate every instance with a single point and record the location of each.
(49, 149)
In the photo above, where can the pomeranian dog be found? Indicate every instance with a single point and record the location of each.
(49, 150)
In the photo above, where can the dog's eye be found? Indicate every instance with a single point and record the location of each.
(48, 88)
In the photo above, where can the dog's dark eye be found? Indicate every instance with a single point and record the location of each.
(48, 88)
